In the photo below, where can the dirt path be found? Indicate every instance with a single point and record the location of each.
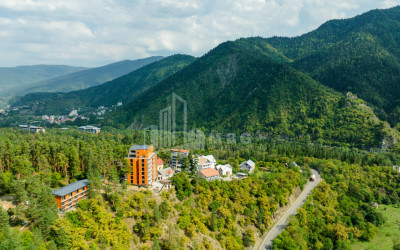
(283, 221)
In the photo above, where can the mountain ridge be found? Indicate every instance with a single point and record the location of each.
(19, 76)
(122, 89)
(90, 77)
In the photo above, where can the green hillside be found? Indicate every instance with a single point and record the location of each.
(90, 77)
(232, 89)
(13, 79)
(360, 55)
(123, 89)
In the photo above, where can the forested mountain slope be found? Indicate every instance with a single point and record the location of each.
(236, 89)
(360, 55)
(123, 89)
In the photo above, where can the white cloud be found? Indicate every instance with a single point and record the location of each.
(95, 32)
(389, 3)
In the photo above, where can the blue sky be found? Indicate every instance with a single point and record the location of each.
(97, 32)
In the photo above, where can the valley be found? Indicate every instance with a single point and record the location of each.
(258, 143)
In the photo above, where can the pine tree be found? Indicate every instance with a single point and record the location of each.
(4, 219)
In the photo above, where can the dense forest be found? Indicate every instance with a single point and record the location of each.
(340, 210)
(195, 214)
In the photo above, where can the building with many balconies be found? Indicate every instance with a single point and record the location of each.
(68, 196)
(142, 165)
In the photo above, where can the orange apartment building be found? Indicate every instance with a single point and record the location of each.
(68, 196)
(142, 165)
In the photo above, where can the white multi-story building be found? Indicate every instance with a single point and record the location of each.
(175, 155)
(91, 129)
(207, 161)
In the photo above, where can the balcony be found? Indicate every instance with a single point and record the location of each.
(73, 202)
(74, 198)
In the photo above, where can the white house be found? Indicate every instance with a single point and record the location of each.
(165, 173)
(91, 129)
(396, 168)
(209, 174)
(205, 162)
(248, 165)
(224, 169)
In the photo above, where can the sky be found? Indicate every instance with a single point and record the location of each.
(97, 32)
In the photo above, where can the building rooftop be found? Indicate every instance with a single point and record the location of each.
(35, 127)
(180, 150)
(203, 159)
(88, 127)
(159, 161)
(142, 147)
(224, 167)
(70, 188)
(209, 172)
(166, 171)
(249, 162)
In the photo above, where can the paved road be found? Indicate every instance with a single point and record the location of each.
(282, 223)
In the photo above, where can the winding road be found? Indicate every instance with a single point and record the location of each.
(283, 221)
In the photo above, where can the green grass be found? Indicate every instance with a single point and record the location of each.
(387, 232)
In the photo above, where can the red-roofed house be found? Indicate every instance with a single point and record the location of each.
(160, 164)
(209, 174)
